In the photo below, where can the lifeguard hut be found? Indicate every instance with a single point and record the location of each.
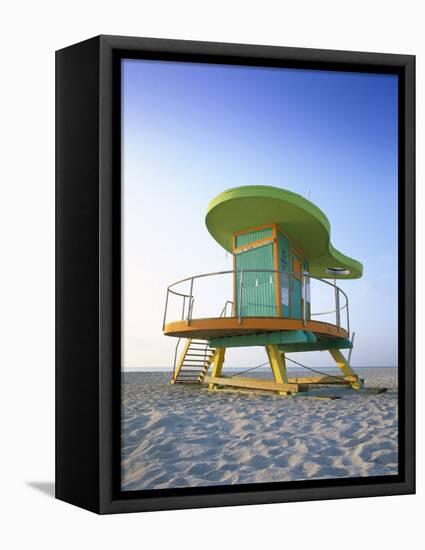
(280, 244)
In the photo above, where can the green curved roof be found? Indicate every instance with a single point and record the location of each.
(304, 223)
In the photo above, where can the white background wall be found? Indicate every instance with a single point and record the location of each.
(30, 32)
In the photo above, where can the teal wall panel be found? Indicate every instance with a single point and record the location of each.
(258, 288)
(295, 289)
(284, 268)
(246, 238)
(296, 299)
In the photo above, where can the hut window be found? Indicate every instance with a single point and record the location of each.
(306, 295)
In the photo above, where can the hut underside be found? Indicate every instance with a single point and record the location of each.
(202, 358)
(232, 326)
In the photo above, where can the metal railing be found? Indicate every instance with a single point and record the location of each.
(188, 299)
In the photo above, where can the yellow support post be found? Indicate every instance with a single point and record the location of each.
(217, 365)
(278, 365)
(343, 364)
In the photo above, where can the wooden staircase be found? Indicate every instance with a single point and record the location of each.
(194, 362)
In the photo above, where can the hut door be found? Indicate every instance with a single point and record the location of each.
(296, 279)
(255, 291)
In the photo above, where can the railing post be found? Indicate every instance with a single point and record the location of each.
(348, 320)
(184, 306)
(351, 349)
(337, 312)
(189, 309)
(240, 296)
(165, 309)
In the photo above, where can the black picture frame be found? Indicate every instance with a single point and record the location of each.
(88, 272)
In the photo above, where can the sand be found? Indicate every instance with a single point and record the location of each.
(185, 436)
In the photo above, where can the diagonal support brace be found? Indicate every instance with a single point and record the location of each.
(344, 365)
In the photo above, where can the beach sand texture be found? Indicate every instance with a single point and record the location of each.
(186, 436)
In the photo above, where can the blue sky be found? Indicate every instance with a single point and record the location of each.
(190, 131)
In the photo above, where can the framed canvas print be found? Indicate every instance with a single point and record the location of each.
(235, 274)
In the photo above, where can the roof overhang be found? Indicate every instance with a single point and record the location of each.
(303, 222)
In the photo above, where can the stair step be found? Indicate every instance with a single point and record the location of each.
(189, 372)
(192, 368)
(197, 346)
(203, 344)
